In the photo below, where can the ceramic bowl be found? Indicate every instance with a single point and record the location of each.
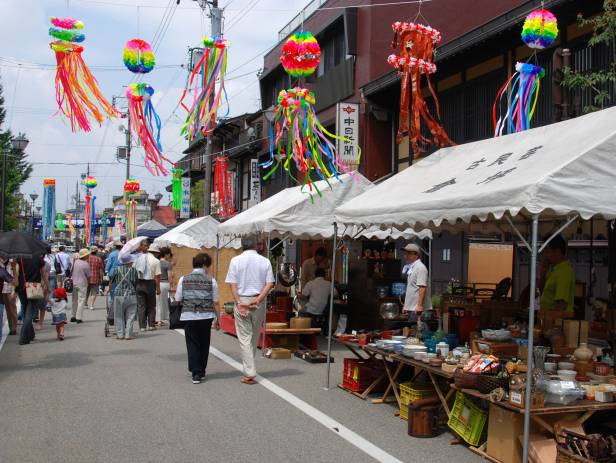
(566, 365)
(553, 358)
(550, 367)
(399, 338)
(419, 355)
(567, 375)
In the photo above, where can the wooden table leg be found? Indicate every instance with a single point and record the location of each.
(392, 384)
(541, 422)
(582, 419)
(442, 398)
(374, 384)
(355, 352)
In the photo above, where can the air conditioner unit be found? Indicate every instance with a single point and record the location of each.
(121, 152)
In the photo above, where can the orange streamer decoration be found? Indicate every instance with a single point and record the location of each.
(416, 44)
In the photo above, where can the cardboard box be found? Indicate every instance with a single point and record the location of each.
(576, 331)
(278, 353)
(517, 399)
(504, 427)
(540, 448)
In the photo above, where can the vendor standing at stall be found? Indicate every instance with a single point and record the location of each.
(417, 297)
(558, 285)
(310, 266)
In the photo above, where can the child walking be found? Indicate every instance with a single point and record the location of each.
(58, 311)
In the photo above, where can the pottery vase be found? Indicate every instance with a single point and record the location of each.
(582, 353)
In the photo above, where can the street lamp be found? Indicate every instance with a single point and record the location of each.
(33, 197)
(18, 143)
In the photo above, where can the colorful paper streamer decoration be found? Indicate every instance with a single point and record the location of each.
(300, 54)
(77, 94)
(138, 56)
(540, 29)
(298, 139)
(145, 125)
(90, 182)
(60, 221)
(49, 207)
(131, 188)
(176, 187)
(223, 189)
(206, 84)
(416, 45)
(519, 95)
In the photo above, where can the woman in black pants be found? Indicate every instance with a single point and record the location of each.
(198, 292)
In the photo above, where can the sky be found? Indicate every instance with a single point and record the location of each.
(27, 70)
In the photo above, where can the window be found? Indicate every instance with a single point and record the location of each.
(245, 184)
(446, 255)
(333, 51)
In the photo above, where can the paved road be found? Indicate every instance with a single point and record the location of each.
(97, 399)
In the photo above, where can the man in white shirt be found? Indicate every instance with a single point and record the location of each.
(418, 296)
(148, 285)
(65, 265)
(251, 278)
(317, 292)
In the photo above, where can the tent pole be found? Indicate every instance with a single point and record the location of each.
(217, 253)
(531, 328)
(264, 325)
(331, 306)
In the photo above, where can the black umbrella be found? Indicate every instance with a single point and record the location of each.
(15, 244)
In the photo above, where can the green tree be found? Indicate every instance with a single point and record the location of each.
(196, 198)
(17, 172)
(600, 82)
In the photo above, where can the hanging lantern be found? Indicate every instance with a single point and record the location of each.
(540, 29)
(77, 94)
(416, 44)
(300, 54)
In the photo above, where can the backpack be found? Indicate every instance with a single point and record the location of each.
(57, 265)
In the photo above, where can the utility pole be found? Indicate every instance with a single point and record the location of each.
(128, 145)
(215, 14)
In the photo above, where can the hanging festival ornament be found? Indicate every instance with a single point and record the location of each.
(307, 145)
(176, 187)
(49, 207)
(138, 56)
(223, 189)
(206, 84)
(89, 210)
(60, 221)
(416, 44)
(300, 54)
(131, 188)
(145, 125)
(540, 29)
(519, 95)
(77, 92)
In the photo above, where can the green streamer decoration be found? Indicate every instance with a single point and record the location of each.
(59, 221)
(176, 187)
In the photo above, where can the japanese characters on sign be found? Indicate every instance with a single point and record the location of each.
(185, 210)
(480, 163)
(347, 126)
(255, 183)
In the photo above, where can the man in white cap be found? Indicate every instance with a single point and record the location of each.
(418, 296)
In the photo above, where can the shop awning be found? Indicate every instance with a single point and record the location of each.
(299, 213)
(196, 233)
(554, 171)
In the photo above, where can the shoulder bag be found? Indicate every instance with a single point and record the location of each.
(34, 289)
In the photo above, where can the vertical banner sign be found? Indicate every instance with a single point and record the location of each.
(185, 210)
(255, 183)
(347, 126)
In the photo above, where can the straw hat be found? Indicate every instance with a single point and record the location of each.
(83, 253)
(411, 248)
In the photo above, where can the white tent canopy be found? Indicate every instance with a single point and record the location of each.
(300, 213)
(196, 233)
(563, 168)
(151, 225)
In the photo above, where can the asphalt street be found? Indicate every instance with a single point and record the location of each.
(96, 399)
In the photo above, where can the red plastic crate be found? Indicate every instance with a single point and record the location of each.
(359, 374)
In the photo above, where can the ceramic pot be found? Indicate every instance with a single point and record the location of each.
(582, 353)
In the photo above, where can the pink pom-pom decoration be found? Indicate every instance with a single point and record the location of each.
(300, 54)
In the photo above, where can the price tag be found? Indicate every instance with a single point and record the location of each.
(567, 384)
(516, 398)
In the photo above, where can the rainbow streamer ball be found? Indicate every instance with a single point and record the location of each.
(131, 187)
(540, 29)
(48, 182)
(90, 182)
(138, 56)
(215, 42)
(300, 54)
(67, 30)
(139, 92)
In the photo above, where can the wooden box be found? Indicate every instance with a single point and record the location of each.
(517, 399)
(576, 331)
(278, 353)
(500, 349)
(504, 427)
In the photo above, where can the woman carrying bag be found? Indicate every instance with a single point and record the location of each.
(31, 292)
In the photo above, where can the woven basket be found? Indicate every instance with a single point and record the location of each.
(464, 380)
(487, 383)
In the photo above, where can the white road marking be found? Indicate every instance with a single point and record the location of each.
(353, 438)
